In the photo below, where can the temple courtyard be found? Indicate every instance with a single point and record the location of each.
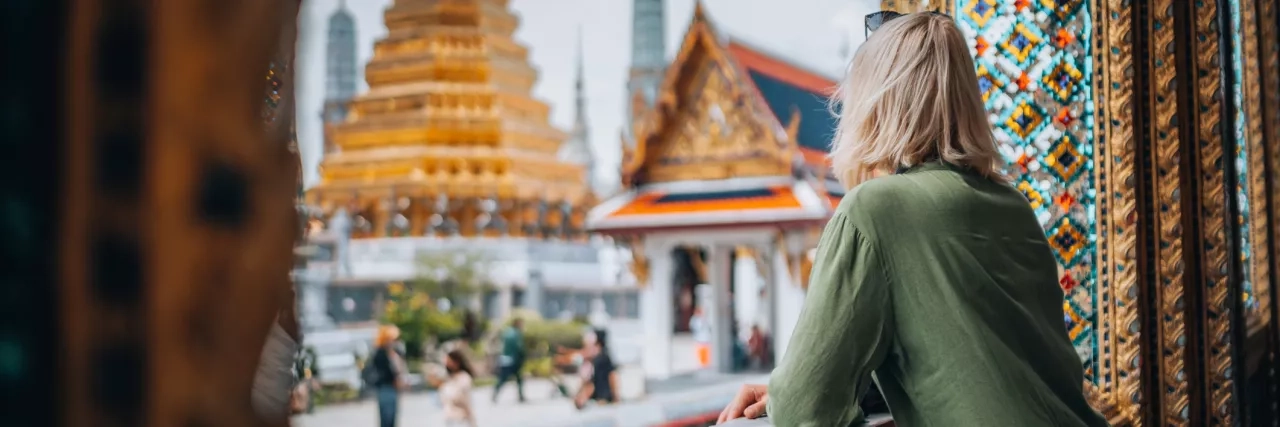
(681, 397)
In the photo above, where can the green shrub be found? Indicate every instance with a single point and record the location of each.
(335, 393)
(538, 367)
(541, 336)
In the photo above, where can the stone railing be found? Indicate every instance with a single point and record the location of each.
(872, 421)
(743, 422)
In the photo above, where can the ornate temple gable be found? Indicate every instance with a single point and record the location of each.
(705, 124)
(793, 97)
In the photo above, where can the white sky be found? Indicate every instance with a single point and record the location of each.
(807, 32)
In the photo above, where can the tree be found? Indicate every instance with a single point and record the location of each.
(432, 304)
(455, 277)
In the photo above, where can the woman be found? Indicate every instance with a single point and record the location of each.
(936, 275)
(580, 359)
(455, 390)
(599, 374)
(384, 374)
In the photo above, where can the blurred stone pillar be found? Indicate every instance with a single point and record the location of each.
(787, 298)
(656, 312)
(534, 289)
(719, 307)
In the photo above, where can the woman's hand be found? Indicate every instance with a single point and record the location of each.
(749, 403)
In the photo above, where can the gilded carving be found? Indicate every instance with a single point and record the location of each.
(703, 126)
(699, 266)
(1269, 59)
(1260, 271)
(1168, 262)
(1119, 396)
(639, 263)
(711, 126)
(713, 133)
(1213, 204)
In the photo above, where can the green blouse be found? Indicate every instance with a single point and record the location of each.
(940, 285)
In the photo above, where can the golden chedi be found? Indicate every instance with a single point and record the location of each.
(449, 141)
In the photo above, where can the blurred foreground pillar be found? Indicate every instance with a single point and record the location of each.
(177, 217)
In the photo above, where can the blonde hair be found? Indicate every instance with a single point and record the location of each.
(911, 96)
(387, 334)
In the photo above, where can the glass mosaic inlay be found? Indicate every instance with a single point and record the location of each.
(1035, 67)
(1241, 160)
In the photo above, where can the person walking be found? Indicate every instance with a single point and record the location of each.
(603, 373)
(512, 359)
(934, 272)
(384, 373)
(455, 390)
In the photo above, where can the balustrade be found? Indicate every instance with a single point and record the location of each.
(873, 421)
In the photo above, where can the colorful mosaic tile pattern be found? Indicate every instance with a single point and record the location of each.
(1242, 160)
(1034, 64)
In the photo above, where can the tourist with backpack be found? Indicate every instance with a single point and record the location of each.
(384, 374)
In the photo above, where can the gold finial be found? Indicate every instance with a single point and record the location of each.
(699, 11)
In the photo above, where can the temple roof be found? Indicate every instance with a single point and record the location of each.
(786, 100)
(787, 87)
(772, 201)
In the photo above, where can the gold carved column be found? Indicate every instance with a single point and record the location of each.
(1211, 214)
(1120, 180)
(1203, 151)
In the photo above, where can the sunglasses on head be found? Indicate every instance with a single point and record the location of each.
(875, 20)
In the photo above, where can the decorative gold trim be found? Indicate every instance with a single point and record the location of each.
(1259, 269)
(649, 125)
(1119, 397)
(1214, 248)
(913, 6)
(1269, 59)
(1168, 263)
(639, 262)
(703, 70)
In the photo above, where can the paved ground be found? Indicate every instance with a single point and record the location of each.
(544, 408)
(423, 409)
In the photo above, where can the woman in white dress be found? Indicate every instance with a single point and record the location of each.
(455, 390)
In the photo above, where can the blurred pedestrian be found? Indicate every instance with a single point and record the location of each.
(511, 360)
(385, 374)
(455, 389)
(599, 375)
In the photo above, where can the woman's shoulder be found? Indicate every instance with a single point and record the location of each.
(877, 196)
